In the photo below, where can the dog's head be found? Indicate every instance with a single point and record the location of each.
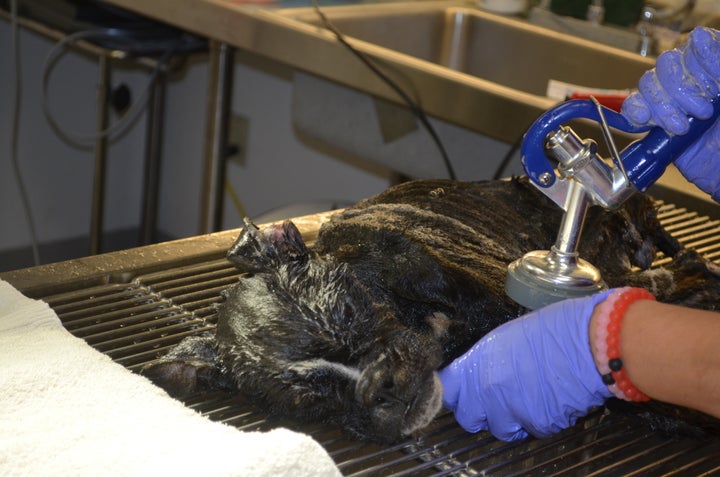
(319, 318)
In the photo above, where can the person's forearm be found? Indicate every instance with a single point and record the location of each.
(671, 353)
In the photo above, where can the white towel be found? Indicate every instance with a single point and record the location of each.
(67, 409)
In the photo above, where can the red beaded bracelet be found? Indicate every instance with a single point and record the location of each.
(606, 338)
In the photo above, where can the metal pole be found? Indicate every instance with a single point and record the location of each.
(219, 94)
(153, 151)
(98, 190)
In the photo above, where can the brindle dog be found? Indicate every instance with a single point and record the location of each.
(353, 330)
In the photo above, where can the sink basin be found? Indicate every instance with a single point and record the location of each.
(509, 61)
(618, 37)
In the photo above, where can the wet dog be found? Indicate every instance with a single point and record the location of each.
(353, 329)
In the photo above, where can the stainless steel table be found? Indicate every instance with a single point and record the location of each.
(106, 56)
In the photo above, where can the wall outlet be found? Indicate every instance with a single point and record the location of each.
(237, 138)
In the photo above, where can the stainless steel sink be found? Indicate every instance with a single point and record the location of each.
(509, 61)
(482, 71)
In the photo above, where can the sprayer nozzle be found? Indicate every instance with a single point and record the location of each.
(543, 277)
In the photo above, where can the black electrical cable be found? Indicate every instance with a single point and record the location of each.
(14, 134)
(413, 105)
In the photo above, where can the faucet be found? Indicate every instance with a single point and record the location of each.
(644, 27)
(596, 12)
(673, 18)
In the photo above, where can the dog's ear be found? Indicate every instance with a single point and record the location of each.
(247, 251)
(256, 250)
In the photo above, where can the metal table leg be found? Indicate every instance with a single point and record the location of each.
(219, 94)
(153, 151)
(98, 200)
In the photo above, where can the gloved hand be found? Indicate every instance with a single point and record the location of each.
(534, 374)
(683, 83)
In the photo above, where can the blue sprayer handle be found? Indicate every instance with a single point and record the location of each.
(645, 160)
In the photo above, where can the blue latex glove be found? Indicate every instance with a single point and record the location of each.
(683, 83)
(534, 374)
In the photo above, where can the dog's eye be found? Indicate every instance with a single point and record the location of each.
(348, 312)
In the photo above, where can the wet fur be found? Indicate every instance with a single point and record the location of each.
(353, 330)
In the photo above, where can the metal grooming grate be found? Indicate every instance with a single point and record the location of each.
(135, 321)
